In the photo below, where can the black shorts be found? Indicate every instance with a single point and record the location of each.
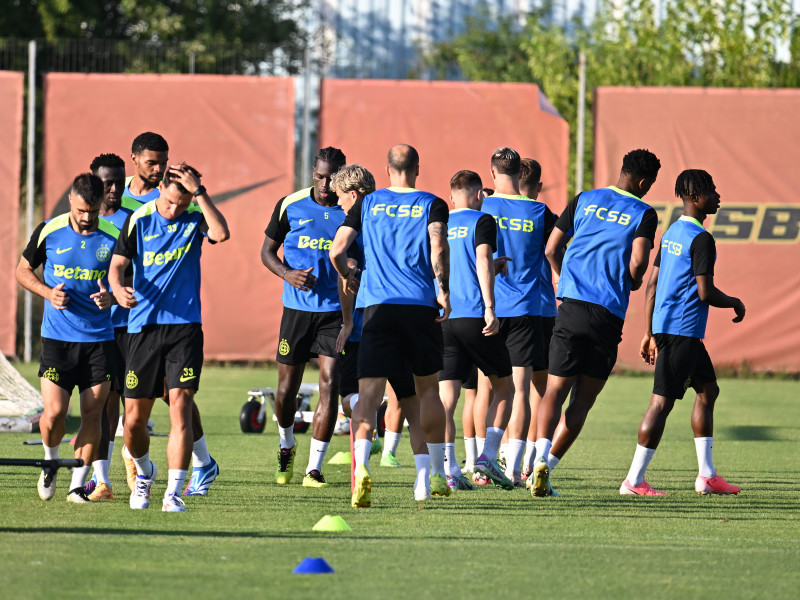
(682, 363)
(174, 352)
(120, 348)
(523, 338)
(85, 364)
(397, 334)
(585, 340)
(402, 385)
(465, 346)
(547, 333)
(305, 334)
(471, 382)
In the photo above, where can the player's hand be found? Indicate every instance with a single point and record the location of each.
(102, 298)
(501, 265)
(492, 322)
(58, 297)
(344, 335)
(352, 284)
(188, 176)
(443, 299)
(739, 310)
(648, 349)
(302, 279)
(125, 297)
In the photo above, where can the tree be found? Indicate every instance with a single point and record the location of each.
(692, 43)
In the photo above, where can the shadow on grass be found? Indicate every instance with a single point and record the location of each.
(217, 534)
(753, 433)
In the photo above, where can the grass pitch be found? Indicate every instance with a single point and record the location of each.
(245, 538)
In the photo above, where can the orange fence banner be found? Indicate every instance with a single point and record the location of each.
(237, 131)
(453, 126)
(749, 141)
(11, 94)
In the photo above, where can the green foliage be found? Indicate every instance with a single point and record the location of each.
(691, 43)
(206, 23)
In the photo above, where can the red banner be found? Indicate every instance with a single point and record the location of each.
(453, 126)
(11, 93)
(748, 140)
(238, 131)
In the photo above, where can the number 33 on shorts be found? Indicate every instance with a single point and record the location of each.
(188, 375)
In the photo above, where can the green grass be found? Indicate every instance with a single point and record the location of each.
(245, 538)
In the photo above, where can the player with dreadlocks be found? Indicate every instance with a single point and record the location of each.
(305, 223)
(679, 292)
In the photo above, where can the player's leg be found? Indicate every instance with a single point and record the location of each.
(179, 446)
(538, 387)
(52, 425)
(297, 333)
(204, 468)
(433, 419)
(87, 439)
(651, 430)
(483, 399)
(422, 460)
(518, 423)
(324, 420)
(558, 389)
(393, 424)
(470, 387)
(704, 381)
(457, 367)
(364, 421)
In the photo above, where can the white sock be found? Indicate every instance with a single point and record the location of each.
(101, 471)
(705, 463)
(552, 461)
(479, 442)
(316, 455)
(423, 464)
(110, 450)
(494, 435)
(361, 449)
(353, 400)
(514, 453)
(470, 448)
(503, 453)
(127, 453)
(79, 475)
(641, 460)
(450, 461)
(530, 455)
(143, 466)
(390, 442)
(50, 453)
(175, 482)
(436, 452)
(287, 436)
(200, 455)
(543, 446)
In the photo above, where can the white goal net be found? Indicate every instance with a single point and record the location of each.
(20, 403)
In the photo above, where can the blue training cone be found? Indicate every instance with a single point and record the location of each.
(313, 566)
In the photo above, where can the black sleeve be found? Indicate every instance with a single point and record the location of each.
(648, 225)
(549, 222)
(439, 212)
(657, 261)
(278, 225)
(126, 242)
(353, 218)
(34, 253)
(704, 254)
(486, 232)
(567, 219)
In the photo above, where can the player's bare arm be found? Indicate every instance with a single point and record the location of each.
(347, 301)
(440, 261)
(28, 279)
(640, 256)
(485, 270)
(648, 349)
(555, 249)
(124, 294)
(713, 296)
(345, 236)
(302, 279)
(215, 223)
